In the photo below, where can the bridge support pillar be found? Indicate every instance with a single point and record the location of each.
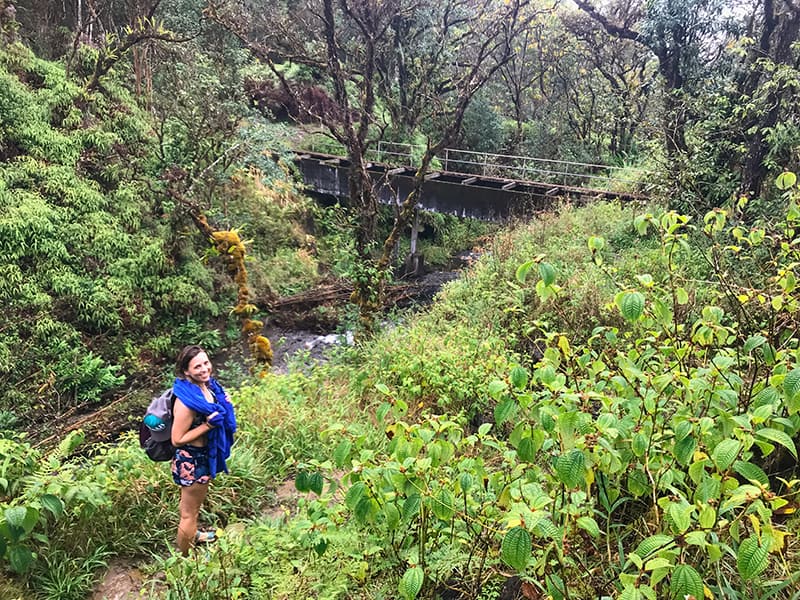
(414, 231)
(414, 263)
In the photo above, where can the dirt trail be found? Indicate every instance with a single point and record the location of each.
(124, 581)
(121, 582)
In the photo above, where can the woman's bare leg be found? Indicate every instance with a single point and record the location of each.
(192, 497)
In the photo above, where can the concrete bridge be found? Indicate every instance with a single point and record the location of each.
(476, 195)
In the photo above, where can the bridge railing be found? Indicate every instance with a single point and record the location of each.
(526, 168)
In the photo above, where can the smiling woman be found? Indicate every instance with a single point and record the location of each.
(202, 433)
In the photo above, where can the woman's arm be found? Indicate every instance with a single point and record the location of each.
(182, 417)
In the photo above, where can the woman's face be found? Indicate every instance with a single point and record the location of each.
(199, 369)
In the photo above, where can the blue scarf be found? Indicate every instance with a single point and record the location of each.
(220, 439)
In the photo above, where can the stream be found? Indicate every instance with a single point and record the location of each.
(307, 347)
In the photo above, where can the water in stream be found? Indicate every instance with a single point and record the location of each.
(307, 346)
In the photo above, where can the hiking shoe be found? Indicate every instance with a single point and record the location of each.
(205, 537)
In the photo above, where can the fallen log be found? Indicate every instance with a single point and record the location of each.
(339, 294)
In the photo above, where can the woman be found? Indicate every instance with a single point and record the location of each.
(202, 433)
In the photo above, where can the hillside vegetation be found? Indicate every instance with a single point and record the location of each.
(104, 273)
(606, 404)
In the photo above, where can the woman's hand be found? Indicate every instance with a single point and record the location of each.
(215, 419)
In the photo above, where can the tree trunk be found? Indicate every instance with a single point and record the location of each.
(779, 33)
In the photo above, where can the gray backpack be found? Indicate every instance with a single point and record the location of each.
(155, 430)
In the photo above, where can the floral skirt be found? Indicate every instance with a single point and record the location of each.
(190, 465)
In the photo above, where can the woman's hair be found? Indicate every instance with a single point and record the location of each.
(184, 358)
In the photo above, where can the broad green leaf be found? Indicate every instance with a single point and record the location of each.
(660, 382)
(685, 581)
(465, 481)
(714, 552)
(785, 180)
(555, 587)
(442, 506)
(589, 525)
(546, 529)
(382, 411)
(21, 520)
(411, 507)
(525, 450)
(640, 443)
(682, 296)
(519, 377)
(653, 543)
(523, 270)
(20, 558)
(638, 484)
(683, 429)
(570, 468)
(779, 437)
(544, 292)
(515, 549)
(740, 495)
(596, 243)
(366, 510)
(791, 384)
(52, 504)
(708, 517)
(547, 273)
(680, 515)
(342, 453)
(546, 374)
(392, 515)
(316, 483)
(769, 354)
(725, 453)
(411, 583)
(751, 472)
(547, 422)
(321, 546)
(383, 389)
(631, 305)
(70, 443)
(709, 489)
(354, 495)
(504, 410)
(788, 282)
(754, 342)
(752, 558)
(695, 538)
(631, 593)
(684, 449)
(495, 388)
(15, 516)
(301, 482)
(657, 563)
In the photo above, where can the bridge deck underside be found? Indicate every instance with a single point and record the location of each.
(464, 195)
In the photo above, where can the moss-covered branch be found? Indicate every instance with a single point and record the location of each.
(231, 247)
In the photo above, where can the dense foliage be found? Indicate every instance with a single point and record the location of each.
(90, 261)
(607, 404)
(103, 272)
(585, 415)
